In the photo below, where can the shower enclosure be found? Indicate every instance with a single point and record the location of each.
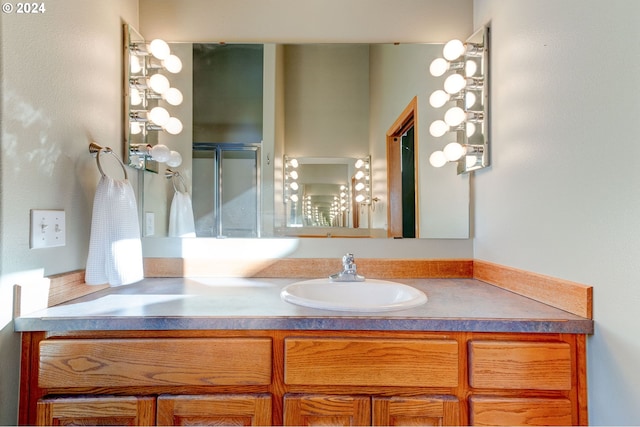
(226, 189)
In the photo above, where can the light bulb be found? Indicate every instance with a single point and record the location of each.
(293, 175)
(294, 186)
(471, 129)
(469, 99)
(135, 97)
(454, 83)
(159, 116)
(173, 126)
(360, 198)
(438, 67)
(359, 175)
(294, 197)
(172, 64)
(159, 48)
(359, 163)
(135, 128)
(294, 163)
(159, 83)
(455, 116)
(453, 151)
(134, 64)
(160, 153)
(439, 98)
(438, 128)
(174, 160)
(173, 96)
(359, 186)
(470, 68)
(453, 49)
(471, 161)
(437, 159)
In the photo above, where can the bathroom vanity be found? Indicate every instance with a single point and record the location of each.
(176, 351)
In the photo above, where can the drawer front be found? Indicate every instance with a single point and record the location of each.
(155, 362)
(371, 362)
(520, 365)
(506, 411)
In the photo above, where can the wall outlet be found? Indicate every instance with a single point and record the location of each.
(48, 228)
(149, 223)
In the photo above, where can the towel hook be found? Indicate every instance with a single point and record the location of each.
(95, 149)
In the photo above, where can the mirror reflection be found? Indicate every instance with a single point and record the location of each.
(315, 101)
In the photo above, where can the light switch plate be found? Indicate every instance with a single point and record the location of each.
(48, 228)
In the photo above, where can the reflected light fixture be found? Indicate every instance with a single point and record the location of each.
(465, 95)
(146, 85)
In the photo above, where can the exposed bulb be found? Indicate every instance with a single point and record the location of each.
(173, 96)
(159, 83)
(173, 126)
(437, 159)
(471, 129)
(469, 100)
(159, 116)
(294, 186)
(470, 68)
(438, 128)
(293, 175)
(455, 116)
(359, 186)
(160, 49)
(359, 163)
(293, 163)
(439, 98)
(359, 175)
(471, 161)
(360, 198)
(135, 128)
(172, 64)
(454, 83)
(438, 67)
(135, 97)
(294, 197)
(453, 50)
(134, 64)
(453, 151)
(160, 153)
(174, 160)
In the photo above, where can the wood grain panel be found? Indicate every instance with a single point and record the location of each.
(221, 409)
(315, 410)
(97, 411)
(369, 362)
(148, 362)
(520, 365)
(502, 411)
(563, 294)
(416, 411)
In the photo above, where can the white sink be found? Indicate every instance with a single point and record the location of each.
(370, 295)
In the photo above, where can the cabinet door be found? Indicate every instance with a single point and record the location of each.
(224, 409)
(515, 411)
(416, 411)
(96, 411)
(316, 410)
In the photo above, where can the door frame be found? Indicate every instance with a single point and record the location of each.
(406, 119)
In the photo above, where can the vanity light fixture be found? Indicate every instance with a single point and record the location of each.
(362, 181)
(146, 85)
(291, 186)
(466, 99)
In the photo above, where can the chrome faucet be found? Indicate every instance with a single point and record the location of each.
(348, 273)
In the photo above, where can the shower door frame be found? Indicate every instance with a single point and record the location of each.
(219, 148)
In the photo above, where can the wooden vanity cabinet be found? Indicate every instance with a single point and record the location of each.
(250, 377)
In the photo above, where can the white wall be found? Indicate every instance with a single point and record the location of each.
(61, 79)
(562, 197)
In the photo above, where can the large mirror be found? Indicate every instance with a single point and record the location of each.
(308, 101)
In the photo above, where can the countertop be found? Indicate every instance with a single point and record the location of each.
(237, 303)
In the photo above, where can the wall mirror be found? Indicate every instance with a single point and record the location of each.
(315, 103)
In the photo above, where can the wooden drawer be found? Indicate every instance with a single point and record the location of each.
(528, 411)
(371, 362)
(154, 362)
(520, 365)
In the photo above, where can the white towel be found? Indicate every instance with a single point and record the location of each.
(115, 249)
(181, 222)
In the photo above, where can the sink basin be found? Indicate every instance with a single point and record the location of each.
(370, 295)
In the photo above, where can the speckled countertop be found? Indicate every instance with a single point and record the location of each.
(237, 303)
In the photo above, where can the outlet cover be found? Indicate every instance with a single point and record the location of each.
(48, 228)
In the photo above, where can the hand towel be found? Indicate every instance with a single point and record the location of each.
(115, 248)
(181, 222)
